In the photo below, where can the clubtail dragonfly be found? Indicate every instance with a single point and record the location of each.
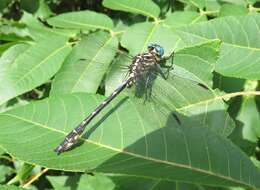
(140, 70)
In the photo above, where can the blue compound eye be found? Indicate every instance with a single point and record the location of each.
(159, 50)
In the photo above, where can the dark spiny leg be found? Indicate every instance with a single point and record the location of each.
(169, 68)
(159, 70)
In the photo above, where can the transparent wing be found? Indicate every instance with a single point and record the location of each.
(99, 42)
(182, 94)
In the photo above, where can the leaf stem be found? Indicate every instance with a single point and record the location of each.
(253, 9)
(202, 13)
(35, 177)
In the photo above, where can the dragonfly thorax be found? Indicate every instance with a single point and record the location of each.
(141, 63)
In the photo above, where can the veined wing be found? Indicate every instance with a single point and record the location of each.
(187, 91)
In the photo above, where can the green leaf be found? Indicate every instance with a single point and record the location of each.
(11, 54)
(239, 51)
(83, 20)
(196, 3)
(29, 5)
(59, 182)
(180, 18)
(97, 181)
(129, 182)
(12, 31)
(256, 162)
(31, 68)
(10, 187)
(23, 172)
(145, 7)
(232, 10)
(196, 59)
(43, 10)
(1, 151)
(6, 46)
(138, 36)
(135, 144)
(4, 4)
(238, 2)
(39, 32)
(4, 172)
(77, 75)
(228, 84)
(251, 121)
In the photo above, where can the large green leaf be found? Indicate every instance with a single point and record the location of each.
(9, 56)
(95, 182)
(119, 142)
(232, 10)
(181, 18)
(84, 20)
(145, 7)
(77, 75)
(39, 32)
(32, 67)
(138, 36)
(239, 54)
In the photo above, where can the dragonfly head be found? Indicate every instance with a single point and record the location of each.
(156, 49)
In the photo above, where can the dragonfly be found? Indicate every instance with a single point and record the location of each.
(140, 71)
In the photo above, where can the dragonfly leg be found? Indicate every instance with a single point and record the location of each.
(160, 71)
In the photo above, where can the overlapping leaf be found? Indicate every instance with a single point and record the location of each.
(138, 36)
(86, 65)
(135, 144)
(84, 20)
(145, 7)
(13, 32)
(239, 54)
(181, 18)
(39, 32)
(34, 66)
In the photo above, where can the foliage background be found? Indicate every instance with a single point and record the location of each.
(45, 91)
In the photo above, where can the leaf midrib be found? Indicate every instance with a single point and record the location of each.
(91, 62)
(41, 62)
(85, 24)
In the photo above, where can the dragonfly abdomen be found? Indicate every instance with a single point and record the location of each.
(75, 134)
(140, 64)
